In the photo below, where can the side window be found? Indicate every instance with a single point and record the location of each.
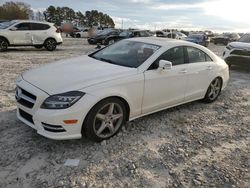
(208, 58)
(143, 34)
(195, 55)
(136, 34)
(38, 26)
(175, 55)
(23, 27)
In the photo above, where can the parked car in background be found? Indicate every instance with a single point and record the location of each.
(124, 35)
(80, 33)
(173, 35)
(100, 36)
(238, 53)
(94, 95)
(159, 33)
(180, 36)
(29, 33)
(226, 38)
(198, 39)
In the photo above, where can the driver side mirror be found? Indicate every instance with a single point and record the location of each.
(13, 29)
(165, 65)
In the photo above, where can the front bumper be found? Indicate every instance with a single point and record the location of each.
(50, 123)
(236, 56)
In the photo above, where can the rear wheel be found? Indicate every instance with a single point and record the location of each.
(3, 45)
(111, 41)
(105, 119)
(213, 91)
(78, 35)
(50, 44)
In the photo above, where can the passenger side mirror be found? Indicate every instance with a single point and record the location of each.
(165, 65)
(13, 29)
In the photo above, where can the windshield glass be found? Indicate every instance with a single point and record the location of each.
(195, 36)
(125, 33)
(104, 32)
(126, 53)
(5, 25)
(245, 38)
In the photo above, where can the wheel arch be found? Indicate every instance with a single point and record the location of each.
(48, 39)
(2, 37)
(124, 101)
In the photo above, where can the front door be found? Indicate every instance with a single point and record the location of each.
(21, 34)
(165, 88)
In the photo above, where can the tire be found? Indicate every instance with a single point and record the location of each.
(78, 35)
(103, 121)
(39, 47)
(213, 90)
(3, 45)
(50, 44)
(111, 41)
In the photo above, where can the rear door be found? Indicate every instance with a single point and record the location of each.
(199, 73)
(39, 33)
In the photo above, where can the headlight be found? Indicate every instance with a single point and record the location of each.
(62, 101)
(229, 47)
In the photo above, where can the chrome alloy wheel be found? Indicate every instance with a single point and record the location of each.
(214, 89)
(108, 120)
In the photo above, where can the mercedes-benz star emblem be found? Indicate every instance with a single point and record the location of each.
(18, 94)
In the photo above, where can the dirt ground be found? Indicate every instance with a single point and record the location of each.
(193, 145)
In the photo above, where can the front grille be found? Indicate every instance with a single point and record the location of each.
(26, 116)
(241, 52)
(53, 128)
(25, 98)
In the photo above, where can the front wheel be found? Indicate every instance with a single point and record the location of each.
(111, 41)
(3, 45)
(213, 91)
(50, 44)
(105, 119)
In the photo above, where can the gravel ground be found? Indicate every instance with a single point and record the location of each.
(193, 145)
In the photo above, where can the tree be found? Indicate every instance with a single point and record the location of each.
(15, 10)
(59, 15)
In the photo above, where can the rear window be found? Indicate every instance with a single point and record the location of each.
(39, 26)
(245, 38)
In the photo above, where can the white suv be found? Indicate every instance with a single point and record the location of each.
(29, 33)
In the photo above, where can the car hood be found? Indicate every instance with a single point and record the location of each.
(75, 74)
(191, 40)
(240, 45)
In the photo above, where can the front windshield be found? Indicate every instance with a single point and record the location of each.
(245, 38)
(126, 53)
(125, 34)
(195, 36)
(104, 32)
(5, 25)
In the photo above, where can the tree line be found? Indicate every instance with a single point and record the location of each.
(58, 15)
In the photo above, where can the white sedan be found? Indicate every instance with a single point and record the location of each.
(94, 95)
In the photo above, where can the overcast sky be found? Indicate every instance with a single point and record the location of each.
(218, 15)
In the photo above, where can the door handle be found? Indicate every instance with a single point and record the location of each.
(183, 71)
(209, 67)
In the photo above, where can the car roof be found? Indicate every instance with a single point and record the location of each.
(33, 21)
(160, 41)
